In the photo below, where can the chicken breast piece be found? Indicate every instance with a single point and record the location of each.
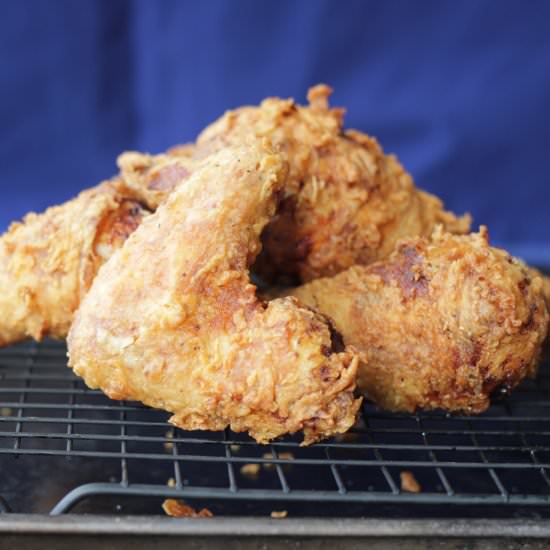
(445, 322)
(172, 319)
(48, 261)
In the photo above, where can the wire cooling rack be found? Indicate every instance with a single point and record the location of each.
(62, 444)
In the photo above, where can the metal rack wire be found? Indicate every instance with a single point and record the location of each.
(77, 444)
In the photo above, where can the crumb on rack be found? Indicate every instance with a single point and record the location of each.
(283, 456)
(171, 482)
(168, 445)
(279, 514)
(250, 470)
(409, 483)
(5, 411)
(235, 448)
(178, 509)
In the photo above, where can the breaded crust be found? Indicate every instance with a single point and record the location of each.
(446, 322)
(173, 321)
(49, 260)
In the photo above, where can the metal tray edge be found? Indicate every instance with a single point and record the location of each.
(26, 524)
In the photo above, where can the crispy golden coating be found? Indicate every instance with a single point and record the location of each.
(445, 322)
(48, 261)
(151, 178)
(172, 319)
(345, 202)
(545, 285)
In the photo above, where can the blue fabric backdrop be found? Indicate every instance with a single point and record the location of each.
(459, 90)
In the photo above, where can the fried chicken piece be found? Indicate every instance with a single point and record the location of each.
(445, 322)
(345, 201)
(172, 319)
(48, 261)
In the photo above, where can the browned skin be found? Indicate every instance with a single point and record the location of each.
(344, 203)
(48, 261)
(151, 178)
(172, 319)
(445, 322)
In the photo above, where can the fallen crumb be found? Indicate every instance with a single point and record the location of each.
(283, 456)
(5, 411)
(168, 445)
(235, 448)
(171, 482)
(409, 483)
(250, 470)
(178, 509)
(279, 514)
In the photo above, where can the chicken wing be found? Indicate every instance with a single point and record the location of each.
(172, 319)
(48, 261)
(445, 322)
